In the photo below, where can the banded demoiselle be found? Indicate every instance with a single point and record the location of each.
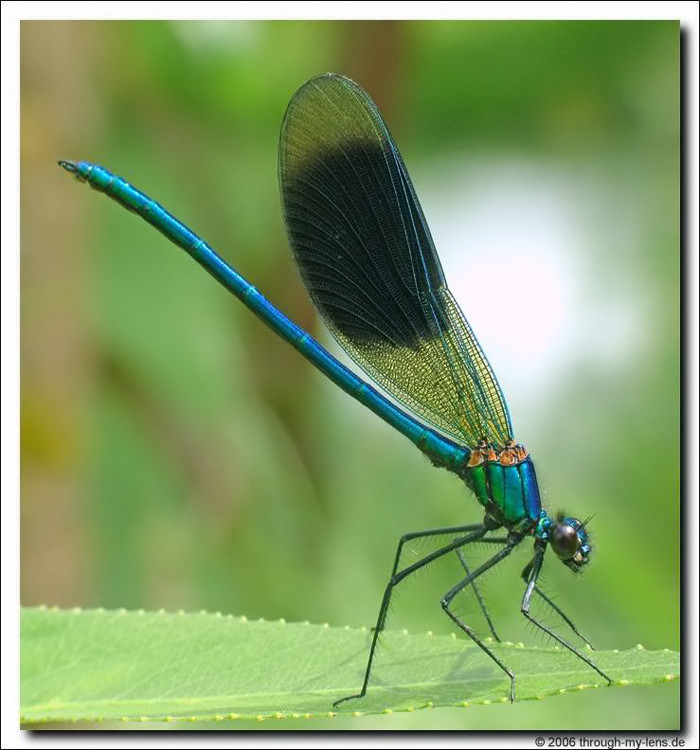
(367, 259)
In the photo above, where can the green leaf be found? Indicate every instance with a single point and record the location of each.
(104, 665)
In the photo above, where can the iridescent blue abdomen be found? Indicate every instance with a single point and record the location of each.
(505, 483)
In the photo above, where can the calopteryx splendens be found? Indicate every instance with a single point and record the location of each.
(367, 258)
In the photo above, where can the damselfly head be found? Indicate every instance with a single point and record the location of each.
(569, 540)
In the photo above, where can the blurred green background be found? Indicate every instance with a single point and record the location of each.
(176, 454)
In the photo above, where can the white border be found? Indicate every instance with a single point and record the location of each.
(14, 12)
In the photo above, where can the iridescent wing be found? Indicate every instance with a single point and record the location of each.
(366, 256)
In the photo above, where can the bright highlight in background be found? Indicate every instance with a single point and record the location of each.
(511, 236)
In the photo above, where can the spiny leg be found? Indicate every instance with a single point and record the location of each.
(411, 536)
(555, 607)
(535, 569)
(469, 534)
(510, 543)
(477, 593)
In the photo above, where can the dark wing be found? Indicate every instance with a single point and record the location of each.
(368, 261)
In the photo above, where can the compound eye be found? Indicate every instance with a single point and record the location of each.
(564, 540)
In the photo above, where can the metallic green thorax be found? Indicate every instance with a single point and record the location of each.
(508, 493)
